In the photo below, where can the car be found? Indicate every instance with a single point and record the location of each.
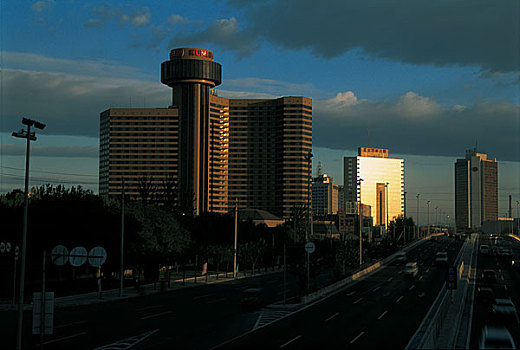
(400, 258)
(496, 338)
(485, 295)
(515, 263)
(505, 310)
(484, 249)
(441, 258)
(411, 269)
(252, 298)
(489, 276)
(505, 252)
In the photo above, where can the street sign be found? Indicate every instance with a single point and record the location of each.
(8, 247)
(48, 313)
(97, 256)
(16, 250)
(78, 256)
(2, 247)
(451, 278)
(60, 255)
(310, 247)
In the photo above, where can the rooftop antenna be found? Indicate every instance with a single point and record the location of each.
(319, 171)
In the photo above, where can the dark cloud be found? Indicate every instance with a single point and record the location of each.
(71, 104)
(413, 124)
(443, 32)
(45, 151)
(224, 33)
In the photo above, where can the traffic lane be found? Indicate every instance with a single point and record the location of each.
(353, 309)
(506, 286)
(103, 323)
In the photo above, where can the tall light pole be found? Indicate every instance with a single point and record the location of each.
(121, 272)
(517, 219)
(428, 203)
(360, 212)
(308, 231)
(386, 210)
(236, 243)
(418, 194)
(436, 219)
(29, 136)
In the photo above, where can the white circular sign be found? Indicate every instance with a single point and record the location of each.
(97, 256)
(16, 250)
(78, 256)
(2, 247)
(60, 255)
(8, 247)
(310, 247)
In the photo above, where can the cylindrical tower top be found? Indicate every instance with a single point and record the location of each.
(191, 53)
(191, 65)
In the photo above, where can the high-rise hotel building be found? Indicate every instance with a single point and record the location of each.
(220, 150)
(374, 179)
(476, 190)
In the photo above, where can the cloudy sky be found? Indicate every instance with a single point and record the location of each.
(426, 79)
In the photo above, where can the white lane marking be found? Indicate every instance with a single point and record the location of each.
(331, 317)
(290, 341)
(127, 343)
(427, 270)
(411, 287)
(382, 315)
(357, 301)
(420, 277)
(69, 324)
(505, 287)
(202, 296)
(351, 293)
(375, 289)
(400, 298)
(215, 300)
(148, 308)
(390, 279)
(64, 338)
(356, 338)
(156, 315)
(502, 277)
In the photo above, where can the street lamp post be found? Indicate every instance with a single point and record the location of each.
(360, 213)
(386, 210)
(418, 194)
(29, 136)
(308, 231)
(428, 203)
(122, 272)
(517, 219)
(436, 219)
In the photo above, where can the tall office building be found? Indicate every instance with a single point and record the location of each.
(374, 179)
(268, 144)
(476, 190)
(140, 147)
(215, 150)
(324, 195)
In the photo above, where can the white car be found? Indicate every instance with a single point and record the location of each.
(496, 338)
(411, 269)
(505, 308)
(400, 257)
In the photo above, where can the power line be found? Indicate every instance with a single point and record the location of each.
(49, 172)
(19, 177)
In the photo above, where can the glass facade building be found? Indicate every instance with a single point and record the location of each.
(378, 181)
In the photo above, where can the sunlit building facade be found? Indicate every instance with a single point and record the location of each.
(324, 195)
(374, 179)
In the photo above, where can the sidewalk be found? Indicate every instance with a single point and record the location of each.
(145, 289)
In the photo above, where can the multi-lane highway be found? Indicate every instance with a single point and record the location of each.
(380, 311)
(507, 285)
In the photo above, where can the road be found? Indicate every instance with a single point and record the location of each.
(506, 286)
(380, 311)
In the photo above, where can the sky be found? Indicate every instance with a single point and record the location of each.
(425, 79)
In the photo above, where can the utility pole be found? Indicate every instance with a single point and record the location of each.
(386, 210)
(235, 246)
(517, 219)
(436, 219)
(418, 194)
(29, 136)
(428, 203)
(121, 272)
(308, 231)
(360, 213)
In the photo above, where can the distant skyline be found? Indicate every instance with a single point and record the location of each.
(411, 78)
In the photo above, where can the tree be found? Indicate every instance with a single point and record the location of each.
(252, 251)
(146, 189)
(399, 225)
